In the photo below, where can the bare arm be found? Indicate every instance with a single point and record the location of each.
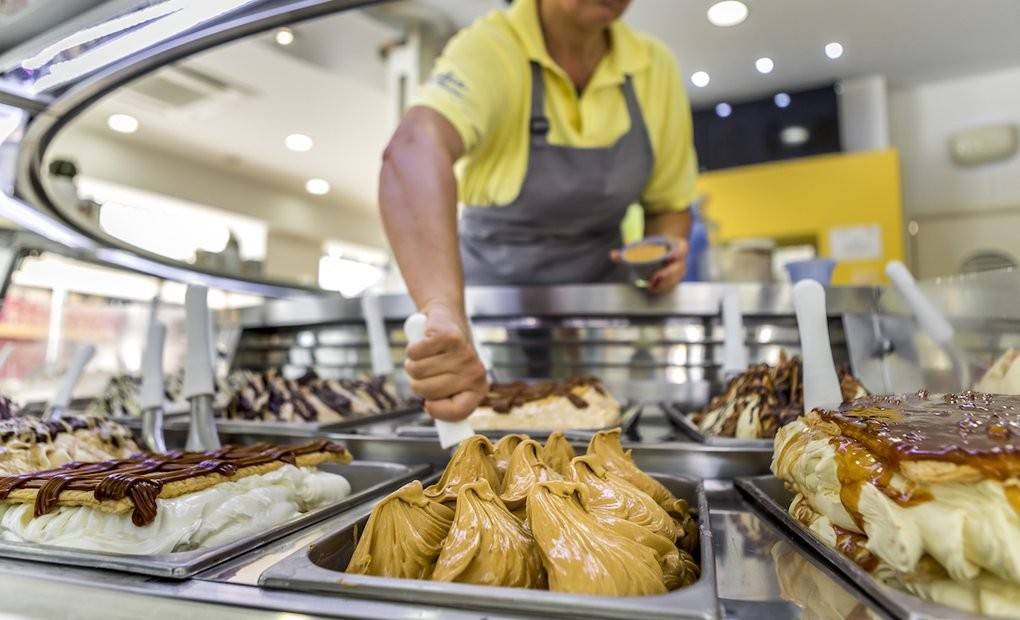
(418, 203)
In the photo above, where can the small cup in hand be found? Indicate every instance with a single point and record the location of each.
(643, 258)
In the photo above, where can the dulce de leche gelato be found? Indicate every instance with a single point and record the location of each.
(404, 536)
(487, 545)
(524, 525)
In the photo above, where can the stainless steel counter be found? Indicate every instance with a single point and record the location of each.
(760, 575)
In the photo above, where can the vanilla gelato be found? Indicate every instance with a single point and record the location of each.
(217, 515)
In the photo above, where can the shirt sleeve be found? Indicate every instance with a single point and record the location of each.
(463, 85)
(672, 186)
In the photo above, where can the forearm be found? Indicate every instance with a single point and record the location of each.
(676, 224)
(418, 204)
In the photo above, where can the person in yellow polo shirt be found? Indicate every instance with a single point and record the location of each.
(547, 120)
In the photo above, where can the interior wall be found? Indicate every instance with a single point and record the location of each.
(818, 198)
(924, 117)
(154, 171)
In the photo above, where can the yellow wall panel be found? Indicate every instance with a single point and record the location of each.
(806, 198)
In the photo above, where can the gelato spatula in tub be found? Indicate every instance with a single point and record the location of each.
(930, 319)
(734, 351)
(450, 433)
(821, 385)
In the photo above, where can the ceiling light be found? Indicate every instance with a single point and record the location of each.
(794, 135)
(284, 36)
(724, 110)
(318, 187)
(834, 50)
(700, 79)
(299, 142)
(122, 123)
(727, 13)
(764, 65)
(782, 100)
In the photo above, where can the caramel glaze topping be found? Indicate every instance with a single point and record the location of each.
(970, 428)
(853, 546)
(503, 397)
(141, 477)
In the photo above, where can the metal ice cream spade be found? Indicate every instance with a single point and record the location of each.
(151, 397)
(62, 398)
(450, 433)
(734, 352)
(821, 385)
(198, 372)
(930, 319)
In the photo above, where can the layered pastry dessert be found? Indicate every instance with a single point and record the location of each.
(120, 397)
(29, 444)
(921, 491)
(577, 403)
(760, 401)
(1004, 375)
(173, 502)
(269, 396)
(598, 525)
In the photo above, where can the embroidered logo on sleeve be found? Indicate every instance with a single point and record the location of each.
(450, 83)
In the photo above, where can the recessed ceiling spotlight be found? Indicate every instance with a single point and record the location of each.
(299, 142)
(724, 110)
(834, 50)
(284, 36)
(122, 123)
(795, 135)
(727, 13)
(318, 187)
(700, 79)
(764, 65)
(782, 100)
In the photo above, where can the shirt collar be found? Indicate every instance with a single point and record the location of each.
(628, 54)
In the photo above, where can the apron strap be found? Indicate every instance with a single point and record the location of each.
(637, 120)
(539, 125)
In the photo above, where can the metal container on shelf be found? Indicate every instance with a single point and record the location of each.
(319, 568)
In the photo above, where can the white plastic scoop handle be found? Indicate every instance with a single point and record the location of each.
(928, 316)
(734, 351)
(821, 385)
(152, 393)
(81, 358)
(450, 433)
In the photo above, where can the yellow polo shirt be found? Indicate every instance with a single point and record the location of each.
(482, 85)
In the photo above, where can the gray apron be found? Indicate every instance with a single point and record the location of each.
(562, 226)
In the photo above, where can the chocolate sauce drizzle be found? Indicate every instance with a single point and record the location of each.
(141, 477)
(503, 397)
(259, 394)
(780, 393)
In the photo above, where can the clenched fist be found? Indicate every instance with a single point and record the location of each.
(444, 368)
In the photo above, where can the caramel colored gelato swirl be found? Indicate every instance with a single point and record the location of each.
(504, 449)
(470, 463)
(487, 545)
(605, 446)
(526, 469)
(404, 536)
(678, 567)
(612, 495)
(557, 453)
(583, 555)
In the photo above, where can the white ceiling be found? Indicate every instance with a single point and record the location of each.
(330, 84)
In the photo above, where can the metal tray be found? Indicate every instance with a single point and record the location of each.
(368, 480)
(261, 426)
(317, 569)
(677, 415)
(770, 495)
(628, 421)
